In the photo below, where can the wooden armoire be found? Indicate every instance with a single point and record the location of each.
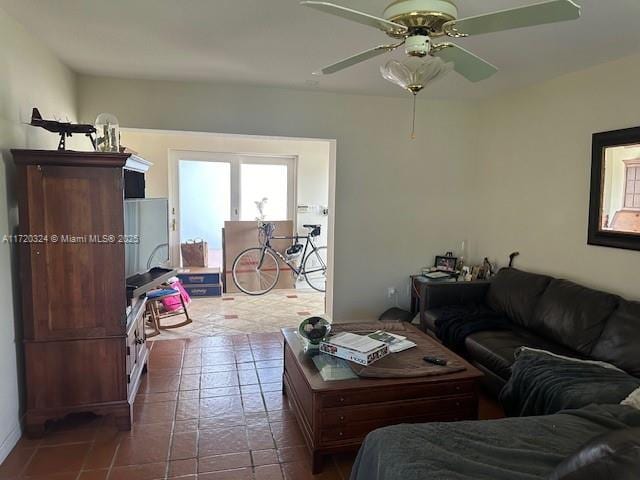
(85, 350)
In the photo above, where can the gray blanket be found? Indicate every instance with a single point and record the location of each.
(526, 448)
(543, 384)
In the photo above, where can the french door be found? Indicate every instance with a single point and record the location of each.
(207, 189)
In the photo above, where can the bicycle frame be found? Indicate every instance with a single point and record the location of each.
(298, 271)
(246, 261)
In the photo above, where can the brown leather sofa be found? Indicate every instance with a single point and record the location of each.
(544, 313)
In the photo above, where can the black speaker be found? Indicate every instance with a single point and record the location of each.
(133, 184)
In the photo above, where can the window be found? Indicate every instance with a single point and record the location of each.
(260, 181)
(632, 186)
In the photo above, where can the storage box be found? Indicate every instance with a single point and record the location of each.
(204, 290)
(199, 276)
(362, 358)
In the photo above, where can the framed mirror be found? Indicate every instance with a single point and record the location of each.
(614, 212)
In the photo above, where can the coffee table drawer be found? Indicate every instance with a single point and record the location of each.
(332, 417)
(398, 392)
(356, 431)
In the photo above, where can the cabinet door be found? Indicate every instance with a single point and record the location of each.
(141, 344)
(77, 273)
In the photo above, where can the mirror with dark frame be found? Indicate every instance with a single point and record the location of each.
(614, 213)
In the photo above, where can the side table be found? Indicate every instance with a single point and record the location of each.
(418, 291)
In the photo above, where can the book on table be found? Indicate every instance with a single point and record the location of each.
(360, 349)
(396, 343)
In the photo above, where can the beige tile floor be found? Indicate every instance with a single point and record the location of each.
(235, 314)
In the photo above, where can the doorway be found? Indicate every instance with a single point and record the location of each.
(214, 188)
(220, 162)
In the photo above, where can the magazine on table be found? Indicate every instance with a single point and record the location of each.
(396, 343)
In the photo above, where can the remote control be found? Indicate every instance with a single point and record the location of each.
(435, 360)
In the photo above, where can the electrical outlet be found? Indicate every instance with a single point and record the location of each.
(391, 292)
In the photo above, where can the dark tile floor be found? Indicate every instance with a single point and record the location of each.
(210, 408)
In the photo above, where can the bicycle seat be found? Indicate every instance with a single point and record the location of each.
(315, 230)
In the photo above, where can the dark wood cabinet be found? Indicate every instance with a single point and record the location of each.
(79, 356)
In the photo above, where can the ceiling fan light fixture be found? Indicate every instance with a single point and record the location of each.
(414, 75)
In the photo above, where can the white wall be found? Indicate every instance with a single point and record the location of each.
(312, 164)
(398, 202)
(533, 180)
(29, 76)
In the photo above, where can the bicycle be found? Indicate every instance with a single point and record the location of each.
(256, 270)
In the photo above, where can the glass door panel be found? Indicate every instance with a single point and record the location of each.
(205, 203)
(265, 186)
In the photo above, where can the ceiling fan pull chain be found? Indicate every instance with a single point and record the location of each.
(413, 122)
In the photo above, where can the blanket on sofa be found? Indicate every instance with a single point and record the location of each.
(456, 322)
(508, 449)
(542, 383)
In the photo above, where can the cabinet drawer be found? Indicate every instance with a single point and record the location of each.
(398, 392)
(399, 410)
(356, 431)
(74, 373)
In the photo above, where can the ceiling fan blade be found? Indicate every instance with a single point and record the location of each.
(359, 17)
(360, 57)
(538, 14)
(470, 66)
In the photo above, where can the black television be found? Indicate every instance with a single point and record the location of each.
(146, 228)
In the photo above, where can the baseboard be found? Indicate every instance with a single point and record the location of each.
(10, 441)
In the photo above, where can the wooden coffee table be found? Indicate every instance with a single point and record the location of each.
(335, 416)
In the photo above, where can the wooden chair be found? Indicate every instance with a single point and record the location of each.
(154, 298)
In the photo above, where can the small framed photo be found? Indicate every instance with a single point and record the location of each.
(446, 264)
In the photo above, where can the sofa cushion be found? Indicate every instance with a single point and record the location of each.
(620, 339)
(614, 455)
(515, 294)
(430, 317)
(573, 315)
(495, 349)
(442, 294)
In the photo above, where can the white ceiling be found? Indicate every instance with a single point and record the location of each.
(279, 43)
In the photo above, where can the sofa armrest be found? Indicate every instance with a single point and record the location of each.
(460, 293)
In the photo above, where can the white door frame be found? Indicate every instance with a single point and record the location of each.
(333, 160)
(235, 160)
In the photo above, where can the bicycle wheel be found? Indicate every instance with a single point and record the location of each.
(255, 271)
(315, 269)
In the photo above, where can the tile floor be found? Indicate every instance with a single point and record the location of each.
(234, 314)
(210, 408)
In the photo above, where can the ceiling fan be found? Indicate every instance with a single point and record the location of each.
(415, 23)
